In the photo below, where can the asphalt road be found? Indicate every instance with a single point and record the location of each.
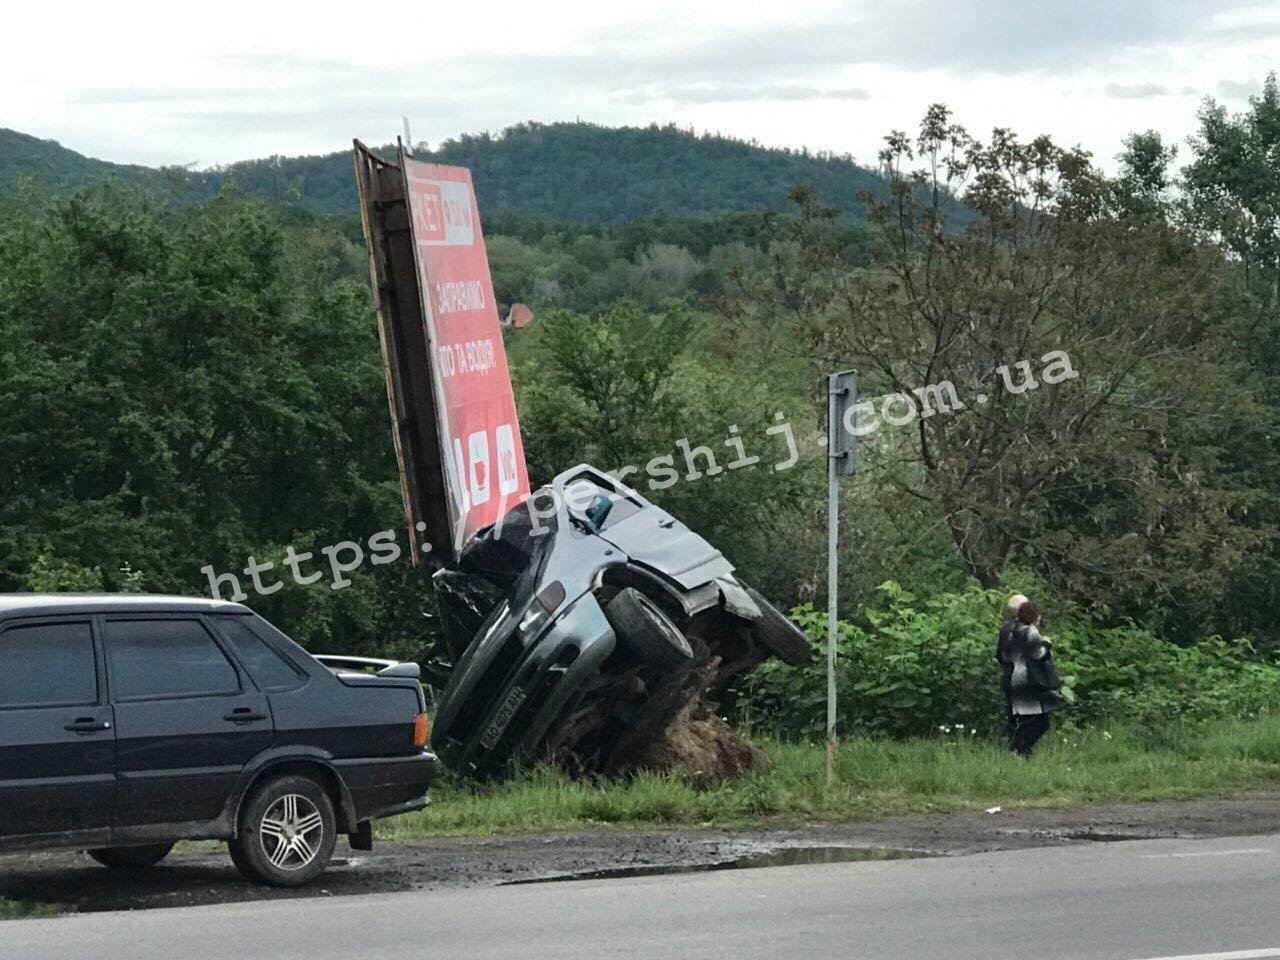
(1121, 901)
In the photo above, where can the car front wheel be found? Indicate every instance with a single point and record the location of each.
(649, 632)
(287, 832)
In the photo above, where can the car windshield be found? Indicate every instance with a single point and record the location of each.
(600, 507)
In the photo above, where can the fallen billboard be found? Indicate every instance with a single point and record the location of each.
(457, 434)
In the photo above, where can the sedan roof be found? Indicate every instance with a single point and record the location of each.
(27, 604)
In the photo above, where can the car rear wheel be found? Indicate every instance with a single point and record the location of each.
(778, 634)
(649, 632)
(287, 832)
(131, 858)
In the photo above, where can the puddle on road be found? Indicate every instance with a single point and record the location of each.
(778, 857)
(1088, 835)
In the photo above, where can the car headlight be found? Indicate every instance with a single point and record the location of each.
(540, 610)
(534, 619)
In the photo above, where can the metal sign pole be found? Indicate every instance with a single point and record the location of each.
(833, 539)
(842, 459)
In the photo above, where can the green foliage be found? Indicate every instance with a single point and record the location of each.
(1232, 194)
(1092, 419)
(52, 575)
(188, 388)
(189, 375)
(919, 667)
(57, 169)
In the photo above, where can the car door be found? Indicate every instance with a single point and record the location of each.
(187, 723)
(57, 734)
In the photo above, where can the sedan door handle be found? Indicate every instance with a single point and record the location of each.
(244, 715)
(87, 725)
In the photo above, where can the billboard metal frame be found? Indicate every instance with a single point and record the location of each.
(407, 355)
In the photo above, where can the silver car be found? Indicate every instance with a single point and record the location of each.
(582, 622)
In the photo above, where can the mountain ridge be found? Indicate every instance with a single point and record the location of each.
(567, 171)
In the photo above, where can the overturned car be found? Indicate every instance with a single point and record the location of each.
(580, 627)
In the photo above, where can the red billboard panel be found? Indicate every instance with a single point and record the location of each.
(482, 452)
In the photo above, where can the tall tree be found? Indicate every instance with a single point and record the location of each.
(1232, 189)
(1046, 358)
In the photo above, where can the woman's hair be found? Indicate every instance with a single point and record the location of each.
(1028, 613)
(1013, 606)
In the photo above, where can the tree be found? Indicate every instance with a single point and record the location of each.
(1233, 193)
(190, 388)
(1144, 184)
(1044, 357)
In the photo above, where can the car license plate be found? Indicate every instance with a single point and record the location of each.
(508, 710)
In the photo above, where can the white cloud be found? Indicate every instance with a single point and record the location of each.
(165, 83)
(1238, 90)
(1135, 91)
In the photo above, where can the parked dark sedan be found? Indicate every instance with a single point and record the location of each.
(128, 723)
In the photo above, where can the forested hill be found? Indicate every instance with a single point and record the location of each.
(561, 171)
(58, 169)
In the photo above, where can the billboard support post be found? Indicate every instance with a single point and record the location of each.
(842, 460)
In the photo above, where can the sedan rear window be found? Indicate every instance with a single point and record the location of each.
(268, 669)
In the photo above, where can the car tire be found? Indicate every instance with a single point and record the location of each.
(287, 832)
(778, 634)
(647, 631)
(131, 858)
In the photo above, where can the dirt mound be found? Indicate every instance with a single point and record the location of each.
(701, 744)
(682, 732)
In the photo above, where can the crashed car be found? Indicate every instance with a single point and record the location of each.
(582, 622)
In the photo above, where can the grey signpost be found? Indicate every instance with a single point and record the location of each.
(842, 460)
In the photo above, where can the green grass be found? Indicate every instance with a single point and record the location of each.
(878, 778)
(21, 909)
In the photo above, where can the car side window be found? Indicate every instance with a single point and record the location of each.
(269, 670)
(48, 665)
(159, 659)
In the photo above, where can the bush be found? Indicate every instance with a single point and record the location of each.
(926, 667)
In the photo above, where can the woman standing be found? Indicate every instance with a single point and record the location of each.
(1033, 680)
(1004, 656)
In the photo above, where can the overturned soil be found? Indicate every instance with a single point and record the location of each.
(199, 876)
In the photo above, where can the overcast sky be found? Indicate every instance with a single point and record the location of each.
(211, 83)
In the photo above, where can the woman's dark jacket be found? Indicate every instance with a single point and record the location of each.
(1033, 676)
